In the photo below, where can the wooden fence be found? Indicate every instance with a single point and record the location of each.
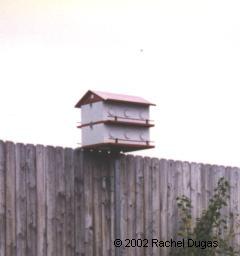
(66, 202)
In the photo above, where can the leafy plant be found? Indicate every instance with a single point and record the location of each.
(212, 234)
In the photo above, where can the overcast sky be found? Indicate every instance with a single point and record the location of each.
(183, 55)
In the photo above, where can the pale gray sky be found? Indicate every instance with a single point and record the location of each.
(52, 52)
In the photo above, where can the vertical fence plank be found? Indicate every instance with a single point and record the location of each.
(156, 203)
(21, 200)
(178, 192)
(148, 203)
(237, 219)
(173, 176)
(204, 187)
(105, 196)
(97, 204)
(108, 190)
(231, 201)
(234, 198)
(186, 173)
(163, 203)
(139, 204)
(113, 172)
(210, 180)
(60, 202)
(69, 226)
(88, 189)
(10, 199)
(79, 202)
(2, 198)
(198, 190)
(131, 214)
(123, 198)
(41, 200)
(171, 200)
(227, 211)
(208, 168)
(195, 190)
(214, 177)
(31, 200)
(51, 201)
(221, 174)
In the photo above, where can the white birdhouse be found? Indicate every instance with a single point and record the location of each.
(114, 122)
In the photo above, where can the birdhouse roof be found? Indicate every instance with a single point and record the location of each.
(94, 96)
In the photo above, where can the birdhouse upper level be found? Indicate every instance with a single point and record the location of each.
(114, 121)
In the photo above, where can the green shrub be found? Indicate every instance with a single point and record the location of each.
(211, 226)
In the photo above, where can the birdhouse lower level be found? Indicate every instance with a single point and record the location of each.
(120, 137)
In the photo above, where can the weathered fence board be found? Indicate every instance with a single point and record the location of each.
(131, 205)
(21, 201)
(171, 221)
(69, 222)
(60, 202)
(139, 204)
(41, 200)
(51, 201)
(104, 209)
(10, 199)
(68, 202)
(112, 173)
(148, 203)
(31, 199)
(97, 211)
(2, 199)
(88, 189)
(79, 202)
(156, 202)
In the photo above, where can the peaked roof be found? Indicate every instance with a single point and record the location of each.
(106, 96)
